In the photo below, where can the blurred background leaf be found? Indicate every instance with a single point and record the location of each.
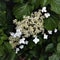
(49, 47)
(19, 11)
(51, 23)
(18, 1)
(54, 57)
(3, 20)
(55, 6)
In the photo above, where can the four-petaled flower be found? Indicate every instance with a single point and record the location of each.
(45, 36)
(36, 40)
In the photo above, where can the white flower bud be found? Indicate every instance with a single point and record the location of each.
(47, 15)
(22, 41)
(36, 40)
(21, 47)
(44, 9)
(45, 36)
(17, 49)
(55, 30)
(49, 31)
(26, 42)
(11, 33)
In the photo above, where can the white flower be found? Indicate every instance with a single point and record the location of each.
(17, 49)
(21, 47)
(26, 42)
(18, 32)
(45, 36)
(55, 30)
(15, 20)
(36, 40)
(49, 31)
(47, 15)
(12, 34)
(44, 9)
(22, 41)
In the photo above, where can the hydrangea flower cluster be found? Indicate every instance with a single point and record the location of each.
(29, 26)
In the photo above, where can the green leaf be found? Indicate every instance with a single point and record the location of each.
(2, 6)
(43, 2)
(3, 22)
(31, 44)
(2, 17)
(2, 57)
(1, 50)
(7, 47)
(55, 6)
(41, 58)
(35, 3)
(1, 41)
(54, 57)
(58, 39)
(2, 36)
(19, 11)
(50, 23)
(33, 53)
(49, 47)
(59, 26)
(11, 56)
(18, 1)
(58, 48)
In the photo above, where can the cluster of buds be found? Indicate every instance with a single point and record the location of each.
(29, 26)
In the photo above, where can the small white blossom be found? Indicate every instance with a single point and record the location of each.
(15, 20)
(18, 32)
(55, 30)
(17, 35)
(26, 42)
(44, 9)
(22, 41)
(36, 40)
(17, 49)
(12, 34)
(24, 16)
(21, 47)
(45, 36)
(49, 31)
(47, 15)
(10, 42)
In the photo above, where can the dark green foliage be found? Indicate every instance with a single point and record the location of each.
(54, 57)
(51, 23)
(55, 4)
(3, 14)
(19, 10)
